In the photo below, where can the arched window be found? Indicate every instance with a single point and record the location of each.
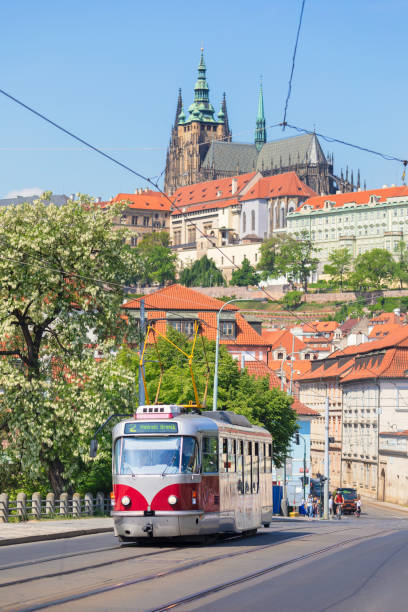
(282, 217)
(252, 220)
(244, 223)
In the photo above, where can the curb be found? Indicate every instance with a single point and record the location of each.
(54, 536)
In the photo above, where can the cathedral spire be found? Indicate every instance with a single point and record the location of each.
(260, 130)
(201, 109)
(224, 110)
(179, 107)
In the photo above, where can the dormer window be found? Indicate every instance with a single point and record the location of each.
(227, 329)
(219, 194)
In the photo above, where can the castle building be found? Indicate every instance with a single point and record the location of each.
(201, 149)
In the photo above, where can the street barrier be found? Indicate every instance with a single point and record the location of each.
(76, 506)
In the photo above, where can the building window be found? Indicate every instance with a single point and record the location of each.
(133, 241)
(227, 328)
(185, 327)
(123, 219)
(280, 356)
(244, 223)
(134, 220)
(252, 220)
(145, 221)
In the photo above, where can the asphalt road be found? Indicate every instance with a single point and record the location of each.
(307, 565)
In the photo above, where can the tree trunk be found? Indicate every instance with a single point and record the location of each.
(55, 474)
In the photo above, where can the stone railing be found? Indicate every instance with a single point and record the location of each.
(23, 508)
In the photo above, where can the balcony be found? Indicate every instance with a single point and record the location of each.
(186, 245)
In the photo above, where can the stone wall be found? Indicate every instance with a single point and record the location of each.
(351, 296)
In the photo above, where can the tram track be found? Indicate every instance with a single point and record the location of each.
(100, 589)
(258, 574)
(60, 573)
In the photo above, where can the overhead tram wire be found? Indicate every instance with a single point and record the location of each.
(139, 175)
(135, 173)
(293, 66)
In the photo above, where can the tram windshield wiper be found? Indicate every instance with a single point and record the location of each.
(169, 465)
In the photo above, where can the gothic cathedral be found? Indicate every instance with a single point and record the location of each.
(201, 148)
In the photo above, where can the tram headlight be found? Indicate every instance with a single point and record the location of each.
(125, 500)
(172, 499)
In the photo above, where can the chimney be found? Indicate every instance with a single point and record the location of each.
(234, 185)
(397, 312)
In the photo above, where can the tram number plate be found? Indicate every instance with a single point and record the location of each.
(151, 428)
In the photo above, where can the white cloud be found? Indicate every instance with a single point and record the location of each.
(25, 193)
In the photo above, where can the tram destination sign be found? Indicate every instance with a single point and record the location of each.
(151, 428)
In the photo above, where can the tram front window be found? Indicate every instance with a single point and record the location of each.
(157, 455)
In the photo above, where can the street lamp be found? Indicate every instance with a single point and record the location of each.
(217, 344)
(297, 439)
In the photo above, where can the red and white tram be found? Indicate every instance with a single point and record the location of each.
(183, 474)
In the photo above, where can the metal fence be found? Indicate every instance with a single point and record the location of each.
(23, 508)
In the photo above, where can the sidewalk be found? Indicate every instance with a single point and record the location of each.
(35, 531)
(380, 504)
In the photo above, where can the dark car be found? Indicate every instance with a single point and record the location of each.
(350, 499)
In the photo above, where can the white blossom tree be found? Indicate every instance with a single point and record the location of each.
(61, 275)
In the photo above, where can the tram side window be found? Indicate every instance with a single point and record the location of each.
(210, 455)
(269, 458)
(263, 468)
(248, 468)
(255, 467)
(224, 458)
(117, 456)
(231, 455)
(240, 466)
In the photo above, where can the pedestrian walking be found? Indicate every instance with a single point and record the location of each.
(358, 507)
(331, 506)
(309, 506)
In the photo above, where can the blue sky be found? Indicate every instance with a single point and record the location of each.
(110, 72)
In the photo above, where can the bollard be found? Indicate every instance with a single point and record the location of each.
(100, 502)
(89, 504)
(76, 505)
(36, 505)
(50, 504)
(4, 508)
(64, 504)
(22, 506)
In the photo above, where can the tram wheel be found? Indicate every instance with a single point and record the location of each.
(249, 533)
(266, 525)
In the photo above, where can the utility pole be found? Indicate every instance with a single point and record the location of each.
(326, 461)
(141, 343)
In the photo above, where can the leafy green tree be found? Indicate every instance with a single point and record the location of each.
(156, 261)
(202, 273)
(61, 271)
(339, 266)
(373, 269)
(245, 275)
(401, 267)
(289, 255)
(292, 299)
(237, 391)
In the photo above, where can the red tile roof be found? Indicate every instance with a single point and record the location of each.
(380, 331)
(207, 192)
(358, 197)
(278, 185)
(320, 327)
(283, 338)
(180, 298)
(147, 200)
(395, 434)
